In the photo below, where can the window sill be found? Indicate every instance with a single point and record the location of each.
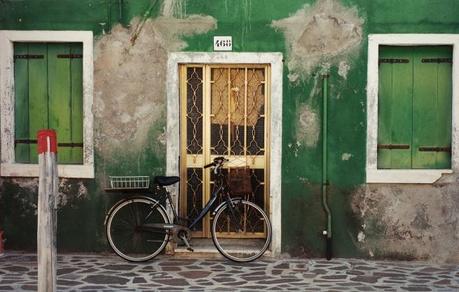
(31, 170)
(408, 176)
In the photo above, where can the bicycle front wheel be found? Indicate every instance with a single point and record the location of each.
(241, 232)
(134, 229)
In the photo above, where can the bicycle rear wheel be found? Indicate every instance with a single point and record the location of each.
(130, 229)
(241, 233)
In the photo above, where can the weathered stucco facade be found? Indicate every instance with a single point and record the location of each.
(131, 45)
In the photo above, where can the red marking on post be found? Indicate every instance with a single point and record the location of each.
(42, 141)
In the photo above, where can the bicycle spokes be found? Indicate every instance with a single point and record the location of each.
(241, 231)
(135, 229)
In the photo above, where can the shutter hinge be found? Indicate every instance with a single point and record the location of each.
(70, 56)
(437, 60)
(32, 141)
(393, 61)
(434, 149)
(28, 56)
(393, 146)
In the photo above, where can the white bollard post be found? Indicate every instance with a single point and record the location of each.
(47, 223)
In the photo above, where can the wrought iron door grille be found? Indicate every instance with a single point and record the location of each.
(223, 113)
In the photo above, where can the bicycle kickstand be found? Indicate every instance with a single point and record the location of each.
(185, 240)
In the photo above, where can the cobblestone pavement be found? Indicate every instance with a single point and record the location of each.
(102, 272)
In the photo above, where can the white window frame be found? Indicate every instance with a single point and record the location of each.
(275, 157)
(8, 166)
(373, 174)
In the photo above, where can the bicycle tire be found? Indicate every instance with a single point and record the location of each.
(239, 240)
(124, 234)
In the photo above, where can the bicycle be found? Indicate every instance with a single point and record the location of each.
(138, 228)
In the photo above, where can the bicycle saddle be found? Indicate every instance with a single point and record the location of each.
(166, 180)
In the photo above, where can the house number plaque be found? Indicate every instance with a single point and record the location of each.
(223, 43)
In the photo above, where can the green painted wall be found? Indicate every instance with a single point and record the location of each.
(249, 22)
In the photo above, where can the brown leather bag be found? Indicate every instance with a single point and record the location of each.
(239, 180)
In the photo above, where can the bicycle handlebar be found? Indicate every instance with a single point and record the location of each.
(209, 165)
(218, 162)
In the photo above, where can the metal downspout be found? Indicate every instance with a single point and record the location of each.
(328, 232)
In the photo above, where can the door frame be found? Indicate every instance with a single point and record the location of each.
(275, 100)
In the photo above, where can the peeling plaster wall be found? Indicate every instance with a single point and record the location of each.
(409, 221)
(308, 126)
(322, 33)
(130, 79)
(323, 37)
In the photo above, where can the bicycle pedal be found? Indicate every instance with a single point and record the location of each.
(185, 241)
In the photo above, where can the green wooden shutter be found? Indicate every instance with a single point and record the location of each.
(395, 108)
(432, 107)
(49, 94)
(414, 107)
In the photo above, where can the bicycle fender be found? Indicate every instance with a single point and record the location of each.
(127, 199)
(223, 203)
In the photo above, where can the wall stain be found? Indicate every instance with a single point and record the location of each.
(27, 184)
(343, 69)
(323, 33)
(346, 156)
(307, 126)
(69, 190)
(23, 191)
(415, 221)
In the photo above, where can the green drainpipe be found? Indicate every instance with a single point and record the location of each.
(328, 232)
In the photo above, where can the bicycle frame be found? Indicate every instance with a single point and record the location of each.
(220, 189)
(207, 207)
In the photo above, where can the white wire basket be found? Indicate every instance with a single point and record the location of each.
(129, 182)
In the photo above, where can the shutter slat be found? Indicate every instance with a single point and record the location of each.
(38, 95)
(76, 71)
(384, 109)
(21, 106)
(444, 117)
(60, 97)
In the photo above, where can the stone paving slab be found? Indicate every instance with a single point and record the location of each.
(106, 272)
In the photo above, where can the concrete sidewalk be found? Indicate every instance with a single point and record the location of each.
(107, 272)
